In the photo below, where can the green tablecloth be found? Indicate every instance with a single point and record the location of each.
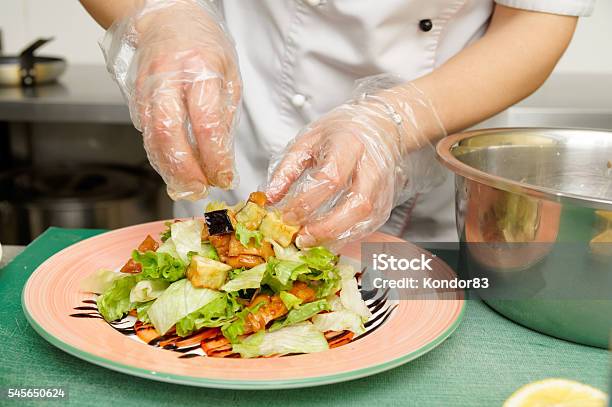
(482, 363)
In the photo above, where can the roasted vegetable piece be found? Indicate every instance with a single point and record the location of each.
(146, 332)
(221, 244)
(235, 248)
(258, 198)
(215, 345)
(204, 232)
(218, 222)
(266, 250)
(301, 290)
(274, 228)
(244, 260)
(338, 338)
(148, 244)
(251, 215)
(207, 273)
(273, 309)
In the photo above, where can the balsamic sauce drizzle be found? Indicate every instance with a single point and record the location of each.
(376, 306)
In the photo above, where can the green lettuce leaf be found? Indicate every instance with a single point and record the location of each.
(351, 299)
(115, 302)
(147, 290)
(246, 279)
(285, 253)
(345, 270)
(328, 283)
(166, 234)
(142, 311)
(238, 327)
(245, 235)
(100, 281)
(180, 299)
(339, 321)
(187, 237)
(280, 274)
(208, 251)
(319, 258)
(213, 314)
(298, 338)
(290, 300)
(156, 265)
(232, 274)
(169, 248)
(301, 313)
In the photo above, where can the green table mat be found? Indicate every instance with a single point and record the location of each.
(482, 363)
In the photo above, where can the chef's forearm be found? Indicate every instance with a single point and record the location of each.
(105, 12)
(512, 60)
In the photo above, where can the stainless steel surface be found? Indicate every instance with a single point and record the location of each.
(85, 93)
(45, 72)
(547, 195)
(28, 69)
(32, 200)
(565, 165)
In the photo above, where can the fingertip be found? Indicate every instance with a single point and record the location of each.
(224, 179)
(304, 240)
(194, 192)
(290, 218)
(274, 191)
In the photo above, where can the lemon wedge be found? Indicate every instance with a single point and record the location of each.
(602, 243)
(557, 393)
(606, 215)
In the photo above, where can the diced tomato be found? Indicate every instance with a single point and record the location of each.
(131, 267)
(148, 244)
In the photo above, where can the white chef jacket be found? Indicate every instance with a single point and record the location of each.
(299, 59)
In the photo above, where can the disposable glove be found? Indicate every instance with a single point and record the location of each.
(177, 67)
(343, 174)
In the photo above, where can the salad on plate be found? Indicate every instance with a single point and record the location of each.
(232, 284)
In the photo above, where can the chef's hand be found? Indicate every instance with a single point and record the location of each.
(343, 174)
(178, 69)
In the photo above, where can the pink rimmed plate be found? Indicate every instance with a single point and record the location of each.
(399, 332)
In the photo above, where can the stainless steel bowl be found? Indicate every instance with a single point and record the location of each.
(534, 214)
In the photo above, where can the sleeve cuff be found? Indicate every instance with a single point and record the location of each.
(580, 8)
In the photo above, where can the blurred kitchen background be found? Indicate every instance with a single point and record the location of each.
(70, 157)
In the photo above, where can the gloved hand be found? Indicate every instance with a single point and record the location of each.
(178, 70)
(343, 174)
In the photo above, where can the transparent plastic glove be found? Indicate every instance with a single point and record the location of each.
(177, 67)
(343, 174)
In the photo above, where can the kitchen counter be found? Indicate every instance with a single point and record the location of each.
(86, 93)
(481, 364)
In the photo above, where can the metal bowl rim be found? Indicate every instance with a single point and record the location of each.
(446, 157)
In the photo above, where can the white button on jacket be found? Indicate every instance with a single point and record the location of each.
(298, 100)
(321, 48)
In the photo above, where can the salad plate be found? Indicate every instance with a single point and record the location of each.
(77, 321)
